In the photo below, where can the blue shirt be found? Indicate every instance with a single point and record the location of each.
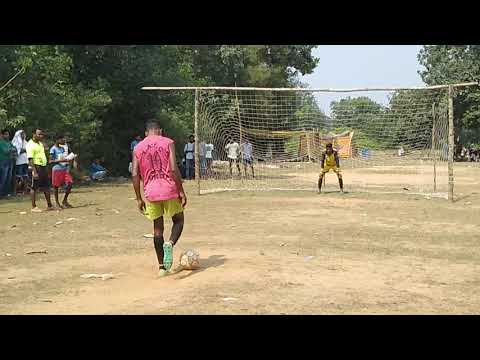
(55, 154)
(133, 144)
(95, 168)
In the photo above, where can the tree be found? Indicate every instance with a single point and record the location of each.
(45, 95)
(409, 117)
(93, 92)
(362, 115)
(309, 113)
(252, 65)
(452, 64)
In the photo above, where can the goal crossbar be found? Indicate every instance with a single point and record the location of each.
(434, 87)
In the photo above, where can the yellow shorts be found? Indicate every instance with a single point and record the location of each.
(167, 208)
(335, 169)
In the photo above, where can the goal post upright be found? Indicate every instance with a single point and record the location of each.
(197, 145)
(239, 118)
(433, 150)
(451, 143)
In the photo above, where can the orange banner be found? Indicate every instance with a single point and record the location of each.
(313, 144)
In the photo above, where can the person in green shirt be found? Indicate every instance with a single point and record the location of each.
(37, 159)
(5, 163)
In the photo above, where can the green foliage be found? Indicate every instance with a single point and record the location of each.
(380, 128)
(45, 95)
(309, 113)
(362, 140)
(252, 65)
(291, 146)
(360, 114)
(446, 64)
(92, 92)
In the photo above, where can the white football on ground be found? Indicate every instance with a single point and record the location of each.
(190, 260)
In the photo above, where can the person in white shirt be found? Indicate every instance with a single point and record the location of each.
(189, 152)
(247, 156)
(209, 156)
(21, 168)
(232, 149)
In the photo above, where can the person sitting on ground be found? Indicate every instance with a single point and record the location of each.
(472, 155)
(97, 171)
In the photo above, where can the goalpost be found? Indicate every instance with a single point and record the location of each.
(396, 140)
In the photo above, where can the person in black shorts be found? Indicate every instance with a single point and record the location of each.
(189, 153)
(246, 149)
(37, 160)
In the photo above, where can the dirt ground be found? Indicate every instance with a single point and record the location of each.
(392, 177)
(261, 252)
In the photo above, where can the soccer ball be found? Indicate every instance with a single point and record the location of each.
(190, 260)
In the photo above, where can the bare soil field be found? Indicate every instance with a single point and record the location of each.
(273, 252)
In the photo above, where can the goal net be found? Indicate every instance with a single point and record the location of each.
(388, 141)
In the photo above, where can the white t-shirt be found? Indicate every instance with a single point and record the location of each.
(247, 151)
(22, 157)
(208, 150)
(65, 147)
(232, 150)
(189, 151)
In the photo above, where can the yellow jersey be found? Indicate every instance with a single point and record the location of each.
(330, 161)
(36, 152)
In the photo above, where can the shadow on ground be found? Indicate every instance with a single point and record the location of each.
(213, 261)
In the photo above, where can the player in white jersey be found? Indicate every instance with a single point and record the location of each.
(233, 149)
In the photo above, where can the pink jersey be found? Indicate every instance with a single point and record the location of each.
(153, 155)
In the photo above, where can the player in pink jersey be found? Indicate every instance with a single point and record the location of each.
(154, 163)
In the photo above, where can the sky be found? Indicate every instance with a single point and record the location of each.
(358, 66)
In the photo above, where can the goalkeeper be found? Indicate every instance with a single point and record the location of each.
(330, 161)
